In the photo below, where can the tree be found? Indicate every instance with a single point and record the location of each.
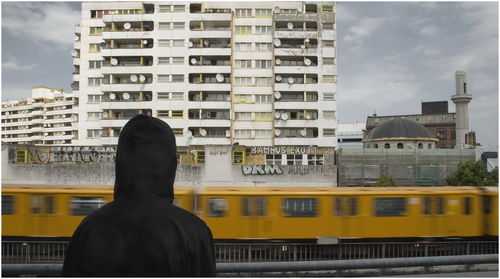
(472, 173)
(385, 181)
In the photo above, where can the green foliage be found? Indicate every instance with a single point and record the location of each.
(471, 173)
(385, 181)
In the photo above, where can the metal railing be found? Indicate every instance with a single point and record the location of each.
(53, 252)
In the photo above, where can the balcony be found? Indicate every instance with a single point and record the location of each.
(124, 114)
(125, 97)
(296, 133)
(129, 79)
(129, 26)
(209, 132)
(222, 78)
(59, 112)
(210, 29)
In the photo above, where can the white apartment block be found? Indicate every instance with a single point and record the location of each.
(234, 74)
(49, 117)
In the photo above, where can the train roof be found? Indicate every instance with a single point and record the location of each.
(336, 190)
(47, 188)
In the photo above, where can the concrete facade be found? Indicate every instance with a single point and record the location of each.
(461, 100)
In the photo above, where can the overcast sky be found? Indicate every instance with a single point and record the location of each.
(391, 55)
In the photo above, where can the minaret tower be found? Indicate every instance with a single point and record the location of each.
(461, 100)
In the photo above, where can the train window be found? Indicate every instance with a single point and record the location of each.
(467, 206)
(49, 204)
(7, 205)
(486, 204)
(426, 206)
(253, 207)
(42, 205)
(300, 207)
(353, 206)
(339, 206)
(83, 206)
(441, 203)
(217, 207)
(390, 207)
(36, 205)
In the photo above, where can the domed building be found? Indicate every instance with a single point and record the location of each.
(400, 133)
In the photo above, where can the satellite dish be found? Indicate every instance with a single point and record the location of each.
(142, 78)
(144, 42)
(127, 26)
(103, 44)
(303, 133)
(277, 132)
(284, 116)
(291, 80)
(277, 95)
(290, 26)
(307, 61)
(278, 78)
(190, 44)
(7, 113)
(203, 132)
(100, 132)
(302, 46)
(112, 96)
(299, 9)
(219, 78)
(74, 118)
(228, 133)
(114, 61)
(277, 115)
(306, 40)
(133, 78)
(277, 10)
(126, 96)
(277, 42)
(105, 115)
(189, 133)
(278, 61)
(74, 53)
(308, 116)
(206, 42)
(45, 134)
(193, 61)
(76, 38)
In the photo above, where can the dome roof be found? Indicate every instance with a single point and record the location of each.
(400, 128)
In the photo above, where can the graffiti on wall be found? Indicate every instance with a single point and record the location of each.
(261, 170)
(68, 154)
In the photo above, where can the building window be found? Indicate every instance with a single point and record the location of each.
(315, 159)
(164, 43)
(259, 29)
(179, 8)
(217, 207)
(95, 64)
(253, 207)
(199, 157)
(94, 81)
(42, 205)
(387, 145)
(95, 31)
(178, 25)
(390, 207)
(94, 133)
(21, 157)
(420, 146)
(329, 132)
(263, 99)
(243, 64)
(94, 99)
(263, 134)
(273, 159)
(263, 81)
(329, 78)
(8, 205)
(327, 9)
(441, 133)
(300, 207)
(263, 46)
(327, 43)
(243, 29)
(246, 116)
(328, 96)
(327, 26)
(329, 114)
(263, 64)
(243, 46)
(467, 206)
(163, 60)
(83, 206)
(94, 48)
(400, 145)
(242, 133)
(294, 159)
(243, 12)
(375, 145)
(171, 113)
(93, 116)
(328, 61)
(263, 13)
(164, 25)
(239, 158)
(243, 81)
(177, 43)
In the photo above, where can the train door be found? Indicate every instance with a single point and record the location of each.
(253, 214)
(42, 209)
(347, 208)
(434, 214)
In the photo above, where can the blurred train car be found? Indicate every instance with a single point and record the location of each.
(279, 213)
(56, 210)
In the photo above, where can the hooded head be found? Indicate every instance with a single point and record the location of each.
(146, 159)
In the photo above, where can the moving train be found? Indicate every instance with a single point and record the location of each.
(275, 214)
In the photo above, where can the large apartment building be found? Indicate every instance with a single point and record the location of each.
(250, 76)
(49, 117)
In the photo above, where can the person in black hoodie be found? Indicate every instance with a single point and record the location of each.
(141, 233)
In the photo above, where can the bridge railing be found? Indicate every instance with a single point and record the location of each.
(53, 252)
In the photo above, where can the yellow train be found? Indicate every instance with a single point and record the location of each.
(279, 213)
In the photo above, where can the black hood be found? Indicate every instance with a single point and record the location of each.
(146, 159)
